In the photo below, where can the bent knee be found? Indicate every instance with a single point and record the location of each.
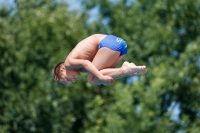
(92, 79)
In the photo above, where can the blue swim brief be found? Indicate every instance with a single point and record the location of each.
(114, 43)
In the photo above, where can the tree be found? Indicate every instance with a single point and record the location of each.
(164, 36)
(35, 36)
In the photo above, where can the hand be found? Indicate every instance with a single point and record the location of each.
(106, 80)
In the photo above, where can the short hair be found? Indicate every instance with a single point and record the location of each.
(56, 72)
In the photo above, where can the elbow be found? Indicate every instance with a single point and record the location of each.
(90, 78)
(85, 63)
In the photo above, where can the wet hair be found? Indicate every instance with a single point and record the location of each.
(57, 73)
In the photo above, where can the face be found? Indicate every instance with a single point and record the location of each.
(69, 76)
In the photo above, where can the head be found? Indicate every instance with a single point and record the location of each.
(62, 75)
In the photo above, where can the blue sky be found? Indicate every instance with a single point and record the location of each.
(6, 2)
(75, 4)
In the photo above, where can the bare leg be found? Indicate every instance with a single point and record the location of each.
(106, 58)
(127, 69)
(130, 69)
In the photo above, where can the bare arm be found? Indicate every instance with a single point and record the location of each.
(115, 73)
(127, 69)
(79, 63)
(93, 80)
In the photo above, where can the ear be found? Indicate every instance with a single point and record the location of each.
(62, 67)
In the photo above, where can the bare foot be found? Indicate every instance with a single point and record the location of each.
(143, 69)
(130, 69)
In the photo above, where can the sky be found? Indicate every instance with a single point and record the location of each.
(6, 2)
(75, 4)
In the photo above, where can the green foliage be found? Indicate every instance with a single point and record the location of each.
(163, 35)
(34, 38)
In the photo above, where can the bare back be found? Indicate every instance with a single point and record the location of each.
(87, 48)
